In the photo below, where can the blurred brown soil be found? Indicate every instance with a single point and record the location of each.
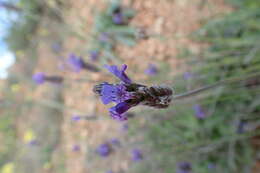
(173, 20)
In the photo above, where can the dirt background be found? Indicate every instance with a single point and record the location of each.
(172, 20)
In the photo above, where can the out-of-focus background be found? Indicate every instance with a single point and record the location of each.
(52, 53)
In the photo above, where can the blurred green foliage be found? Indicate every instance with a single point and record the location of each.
(8, 137)
(220, 142)
(22, 30)
(106, 33)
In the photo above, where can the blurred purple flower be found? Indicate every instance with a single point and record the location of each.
(76, 148)
(183, 167)
(76, 62)
(199, 113)
(109, 171)
(118, 18)
(211, 166)
(39, 78)
(127, 94)
(124, 127)
(115, 142)
(104, 37)
(151, 70)
(76, 118)
(104, 150)
(187, 75)
(94, 54)
(33, 142)
(119, 73)
(241, 127)
(137, 155)
(56, 47)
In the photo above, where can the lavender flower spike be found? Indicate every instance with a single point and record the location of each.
(78, 64)
(94, 54)
(137, 155)
(151, 70)
(199, 113)
(39, 78)
(118, 18)
(104, 150)
(128, 94)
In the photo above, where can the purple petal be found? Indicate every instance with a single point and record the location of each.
(117, 18)
(108, 93)
(187, 75)
(103, 150)
(119, 73)
(76, 63)
(114, 93)
(115, 142)
(39, 78)
(76, 148)
(117, 112)
(94, 54)
(199, 113)
(76, 118)
(137, 155)
(151, 70)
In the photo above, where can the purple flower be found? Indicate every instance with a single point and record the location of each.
(187, 75)
(76, 118)
(136, 155)
(119, 73)
(151, 70)
(76, 148)
(199, 113)
(118, 18)
(104, 150)
(183, 167)
(76, 63)
(33, 142)
(127, 94)
(115, 142)
(118, 112)
(94, 54)
(114, 93)
(39, 78)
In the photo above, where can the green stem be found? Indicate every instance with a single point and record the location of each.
(219, 83)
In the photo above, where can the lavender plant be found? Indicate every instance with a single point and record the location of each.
(40, 78)
(128, 94)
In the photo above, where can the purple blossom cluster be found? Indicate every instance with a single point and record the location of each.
(151, 70)
(76, 62)
(40, 78)
(137, 155)
(199, 112)
(127, 94)
(104, 150)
